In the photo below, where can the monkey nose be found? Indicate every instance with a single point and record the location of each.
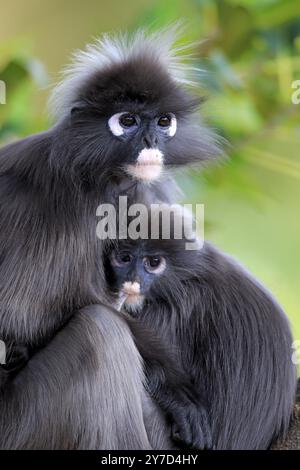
(150, 140)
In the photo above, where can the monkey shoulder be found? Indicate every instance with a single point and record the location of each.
(226, 284)
(22, 164)
(15, 154)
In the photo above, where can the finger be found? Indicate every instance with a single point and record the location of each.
(181, 432)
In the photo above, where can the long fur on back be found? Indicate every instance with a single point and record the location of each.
(230, 337)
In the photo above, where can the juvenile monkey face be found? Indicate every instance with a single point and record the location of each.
(133, 274)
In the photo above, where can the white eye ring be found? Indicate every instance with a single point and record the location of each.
(159, 269)
(170, 129)
(173, 126)
(115, 126)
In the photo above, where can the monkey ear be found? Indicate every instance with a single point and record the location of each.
(77, 109)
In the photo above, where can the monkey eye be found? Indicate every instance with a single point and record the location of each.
(168, 124)
(154, 264)
(125, 257)
(121, 258)
(120, 123)
(164, 120)
(127, 120)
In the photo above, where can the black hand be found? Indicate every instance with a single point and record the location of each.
(190, 426)
(170, 387)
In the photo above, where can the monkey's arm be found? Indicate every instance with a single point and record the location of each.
(172, 390)
(188, 417)
(82, 391)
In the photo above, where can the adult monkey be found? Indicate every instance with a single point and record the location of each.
(123, 115)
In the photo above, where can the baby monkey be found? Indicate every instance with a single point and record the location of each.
(227, 333)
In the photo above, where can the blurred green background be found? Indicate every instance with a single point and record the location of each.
(249, 51)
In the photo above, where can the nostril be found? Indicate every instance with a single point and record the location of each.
(146, 142)
(150, 141)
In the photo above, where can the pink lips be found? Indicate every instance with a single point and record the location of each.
(148, 166)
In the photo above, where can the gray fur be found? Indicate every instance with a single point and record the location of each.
(51, 260)
(228, 334)
(70, 397)
(113, 50)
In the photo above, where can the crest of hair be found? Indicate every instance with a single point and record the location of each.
(110, 50)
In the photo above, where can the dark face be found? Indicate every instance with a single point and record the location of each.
(134, 119)
(149, 130)
(153, 270)
(133, 271)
